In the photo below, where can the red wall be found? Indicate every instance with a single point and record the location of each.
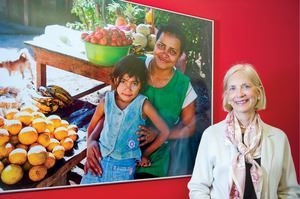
(264, 33)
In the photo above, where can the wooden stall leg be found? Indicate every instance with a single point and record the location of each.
(41, 75)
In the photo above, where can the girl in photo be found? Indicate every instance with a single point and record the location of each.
(124, 109)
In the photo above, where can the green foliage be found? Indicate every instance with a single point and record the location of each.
(115, 8)
(132, 13)
(90, 13)
(161, 18)
(85, 11)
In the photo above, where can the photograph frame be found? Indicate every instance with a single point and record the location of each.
(210, 85)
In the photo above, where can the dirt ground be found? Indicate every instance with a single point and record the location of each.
(12, 36)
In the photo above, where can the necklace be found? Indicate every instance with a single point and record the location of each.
(243, 126)
(159, 82)
(248, 121)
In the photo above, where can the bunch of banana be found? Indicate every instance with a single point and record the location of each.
(43, 103)
(46, 104)
(48, 99)
(59, 94)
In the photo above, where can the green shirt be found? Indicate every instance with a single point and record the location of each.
(168, 102)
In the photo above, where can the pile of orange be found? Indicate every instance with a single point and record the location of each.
(31, 143)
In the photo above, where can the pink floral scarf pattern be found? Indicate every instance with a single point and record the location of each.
(248, 149)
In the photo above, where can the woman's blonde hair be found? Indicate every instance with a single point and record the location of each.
(248, 70)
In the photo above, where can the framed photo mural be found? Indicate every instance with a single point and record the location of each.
(141, 23)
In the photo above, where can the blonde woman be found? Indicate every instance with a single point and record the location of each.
(241, 156)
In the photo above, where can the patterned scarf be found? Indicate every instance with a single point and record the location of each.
(248, 151)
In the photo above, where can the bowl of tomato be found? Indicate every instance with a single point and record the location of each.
(106, 46)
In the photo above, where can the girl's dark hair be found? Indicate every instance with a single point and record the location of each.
(131, 65)
(174, 30)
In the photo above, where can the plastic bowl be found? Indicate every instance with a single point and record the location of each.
(105, 56)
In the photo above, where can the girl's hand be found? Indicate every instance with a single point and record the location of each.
(146, 135)
(144, 162)
(92, 158)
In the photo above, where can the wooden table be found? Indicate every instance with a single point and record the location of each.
(68, 60)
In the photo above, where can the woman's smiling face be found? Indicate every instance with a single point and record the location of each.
(167, 50)
(241, 93)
